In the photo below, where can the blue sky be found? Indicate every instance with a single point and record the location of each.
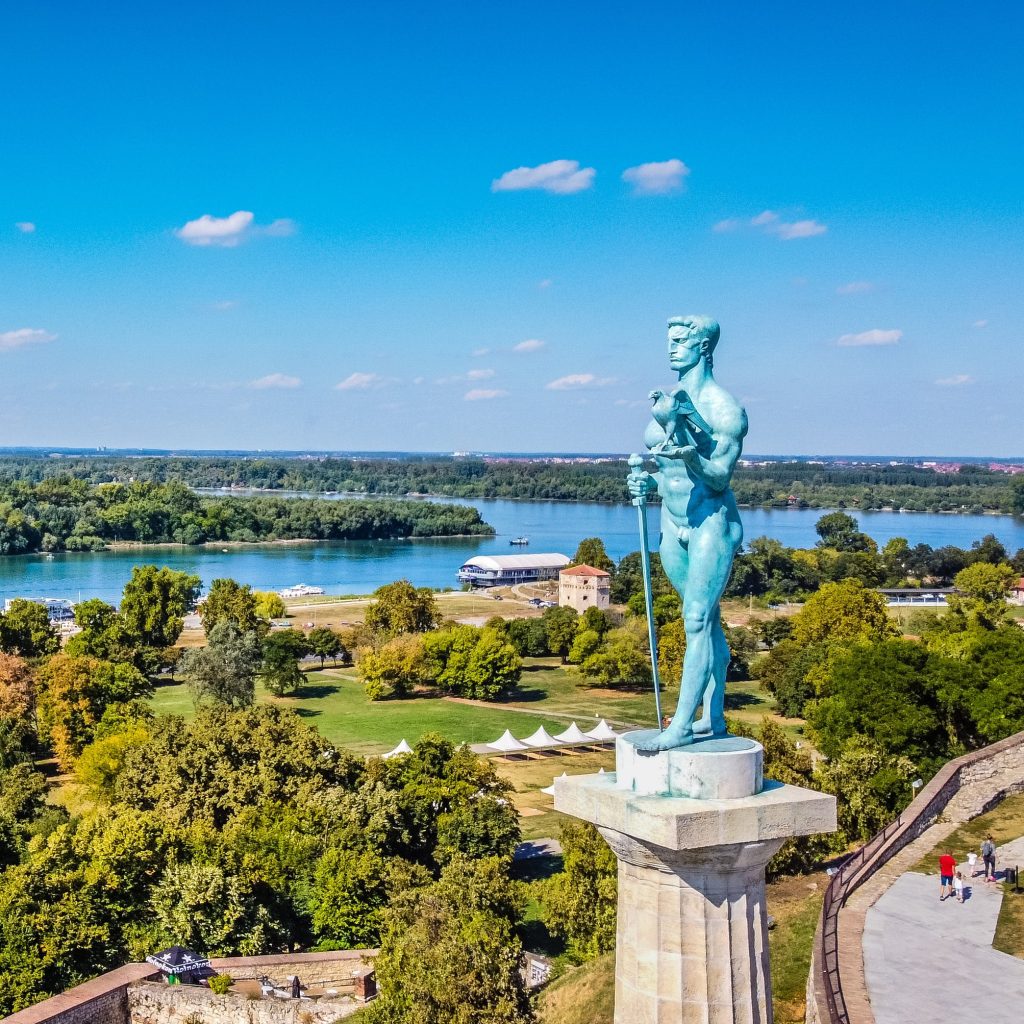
(294, 226)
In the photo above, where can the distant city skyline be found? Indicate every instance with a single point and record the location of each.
(463, 228)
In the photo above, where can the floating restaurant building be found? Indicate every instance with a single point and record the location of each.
(503, 570)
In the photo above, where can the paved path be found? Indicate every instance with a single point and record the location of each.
(932, 962)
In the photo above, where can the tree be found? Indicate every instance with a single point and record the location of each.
(840, 531)
(400, 607)
(102, 633)
(225, 670)
(627, 579)
(578, 903)
(560, 624)
(325, 643)
(395, 668)
(232, 602)
(494, 667)
(226, 762)
(591, 552)
(624, 659)
(529, 637)
(1017, 496)
(154, 604)
(17, 688)
(909, 701)
(74, 693)
(871, 785)
(671, 651)
(25, 630)
(449, 952)
(841, 613)
(349, 892)
(981, 600)
(281, 653)
(771, 631)
(269, 605)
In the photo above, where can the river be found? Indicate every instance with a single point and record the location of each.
(358, 567)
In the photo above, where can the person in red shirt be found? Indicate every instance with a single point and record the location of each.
(947, 869)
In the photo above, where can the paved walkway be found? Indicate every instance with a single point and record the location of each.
(932, 962)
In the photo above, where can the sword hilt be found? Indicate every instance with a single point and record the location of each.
(636, 463)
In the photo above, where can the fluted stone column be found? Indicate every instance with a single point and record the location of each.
(692, 937)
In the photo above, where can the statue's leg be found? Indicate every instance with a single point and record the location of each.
(675, 560)
(707, 653)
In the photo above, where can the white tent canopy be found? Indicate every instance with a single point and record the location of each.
(602, 732)
(541, 738)
(507, 743)
(550, 790)
(402, 748)
(572, 735)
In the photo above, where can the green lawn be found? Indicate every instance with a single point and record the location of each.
(549, 694)
(1004, 822)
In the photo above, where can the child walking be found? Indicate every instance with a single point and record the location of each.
(972, 860)
(958, 887)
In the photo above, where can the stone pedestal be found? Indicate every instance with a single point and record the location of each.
(692, 940)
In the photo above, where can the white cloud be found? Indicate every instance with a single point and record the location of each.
(955, 381)
(576, 381)
(479, 374)
(800, 229)
(563, 177)
(232, 230)
(771, 223)
(546, 283)
(483, 394)
(225, 304)
(283, 227)
(276, 380)
(530, 345)
(855, 288)
(477, 352)
(24, 336)
(980, 324)
(656, 179)
(26, 227)
(360, 382)
(872, 337)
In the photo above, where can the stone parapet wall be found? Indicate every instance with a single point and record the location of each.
(154, 1002)
(103, 1000)
(336, 969)
(117, 997)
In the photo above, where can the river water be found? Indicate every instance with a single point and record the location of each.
(358, 567)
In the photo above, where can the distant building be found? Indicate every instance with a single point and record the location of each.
(300, 590)
(58, 609)
(504, 570)
(1016, 595)
(583, 587)
(934, 597)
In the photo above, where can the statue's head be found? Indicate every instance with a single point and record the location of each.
(690, 338)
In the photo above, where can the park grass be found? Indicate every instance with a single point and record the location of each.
(795, 903)
(583, 995)
(1004, 822)
(1009, 936)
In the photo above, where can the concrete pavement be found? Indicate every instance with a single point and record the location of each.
(931, 962)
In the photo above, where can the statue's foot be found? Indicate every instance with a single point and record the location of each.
(668, 739)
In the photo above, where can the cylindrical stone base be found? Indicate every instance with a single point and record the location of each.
(692, 941)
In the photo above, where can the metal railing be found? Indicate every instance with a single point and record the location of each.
(840, 885)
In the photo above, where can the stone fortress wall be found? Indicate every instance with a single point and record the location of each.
(135, 994)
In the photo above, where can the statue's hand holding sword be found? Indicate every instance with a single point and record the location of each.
(640, 484)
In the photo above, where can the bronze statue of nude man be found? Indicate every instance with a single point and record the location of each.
(695, 439)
